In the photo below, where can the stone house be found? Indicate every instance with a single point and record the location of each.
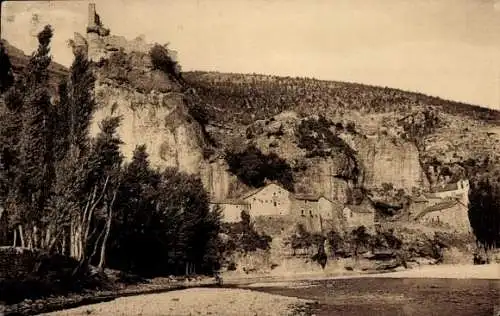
(359, 215)
(270, 200)
(305, 210)
(459, 189)
(331, 214)
(444, 206)
(231, 209)
(316, 213)
(452, 214)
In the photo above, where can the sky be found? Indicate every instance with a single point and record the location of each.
(445, 48)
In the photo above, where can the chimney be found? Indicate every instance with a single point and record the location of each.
(92, 16)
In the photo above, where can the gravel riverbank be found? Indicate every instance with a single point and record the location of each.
(197, 301)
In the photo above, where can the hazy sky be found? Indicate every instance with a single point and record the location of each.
(448, 48)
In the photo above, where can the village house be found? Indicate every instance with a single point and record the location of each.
(316, 213)
(444, 206)
(459, 189)
(331, 214)
(451, 214)
(270, 200)
(231, 209)
(359, 215)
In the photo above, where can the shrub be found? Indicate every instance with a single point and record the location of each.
(244, 237)
(253, 167)
(162, 59)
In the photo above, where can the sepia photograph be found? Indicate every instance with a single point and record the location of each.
(250, 157)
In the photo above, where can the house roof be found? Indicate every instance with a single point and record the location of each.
(252, 192)
(255, 191)
(437, 207)
(307, 197)
(230, 201)
(329, 200)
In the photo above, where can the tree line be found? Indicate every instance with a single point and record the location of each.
(68, 193)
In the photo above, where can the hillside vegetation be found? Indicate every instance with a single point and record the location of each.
(242, 98)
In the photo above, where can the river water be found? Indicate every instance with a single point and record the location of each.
(394, 297)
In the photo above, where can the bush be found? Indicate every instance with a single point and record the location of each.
(231, 266)
(162, 60)
(252, 167)
(53, 275)
(315, 136)
(244, 237)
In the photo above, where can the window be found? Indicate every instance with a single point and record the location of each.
(302, 213)
(274, 203)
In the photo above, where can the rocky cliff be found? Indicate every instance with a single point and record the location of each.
(158, 120)
(386, 160)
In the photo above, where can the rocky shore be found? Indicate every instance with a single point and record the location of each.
(50, 304)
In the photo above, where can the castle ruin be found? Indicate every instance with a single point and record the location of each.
(98, 42)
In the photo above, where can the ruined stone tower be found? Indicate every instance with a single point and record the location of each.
(95, 34)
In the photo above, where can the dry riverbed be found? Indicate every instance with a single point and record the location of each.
(197, 301)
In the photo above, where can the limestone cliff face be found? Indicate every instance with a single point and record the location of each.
(319, 179)
(158, 120)
(386, 161)
(217, 180)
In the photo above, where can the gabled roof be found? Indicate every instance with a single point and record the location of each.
(252, 192)
(255, 191)
(329, 200)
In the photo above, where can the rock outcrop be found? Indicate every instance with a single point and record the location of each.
(385, 160)
(158, 120)
(153, 107)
